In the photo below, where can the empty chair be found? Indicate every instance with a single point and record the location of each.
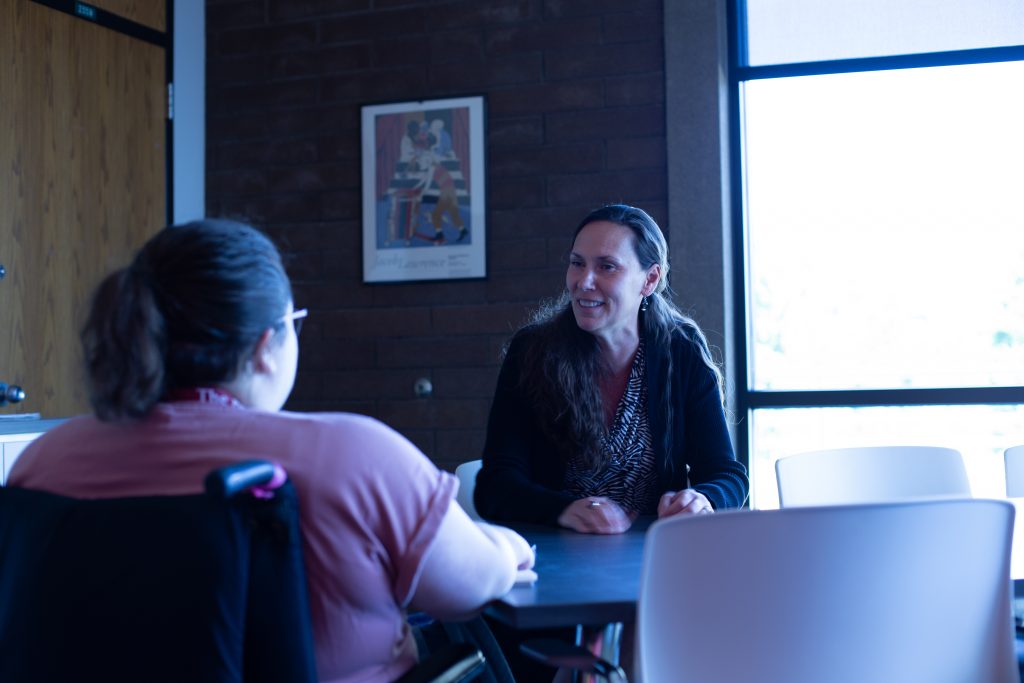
(870, 475)
(912, 591)
(466, 472)
(1013, 459)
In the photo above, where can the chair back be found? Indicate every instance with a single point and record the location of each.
(466, 472)
(1013, 459)
(875, 474)
(912, 591)
(205, 587)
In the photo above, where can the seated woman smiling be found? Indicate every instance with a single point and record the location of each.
(190, 353)
(608, 404)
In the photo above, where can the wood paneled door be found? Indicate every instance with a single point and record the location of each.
(82, 184)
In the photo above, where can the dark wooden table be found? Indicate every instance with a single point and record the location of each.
(584, 579)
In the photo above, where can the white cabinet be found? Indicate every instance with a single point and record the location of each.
(13, 445)
(14, 436)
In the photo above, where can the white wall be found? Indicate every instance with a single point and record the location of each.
(189, 110)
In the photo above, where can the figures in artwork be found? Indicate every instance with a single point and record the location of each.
(428, 188)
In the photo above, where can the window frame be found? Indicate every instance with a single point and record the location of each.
(747, 399)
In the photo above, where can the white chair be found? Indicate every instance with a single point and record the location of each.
(870, 475)
(466, 472)
(912, 591)
(1013, 459)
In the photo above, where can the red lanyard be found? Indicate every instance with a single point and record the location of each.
(205, 395)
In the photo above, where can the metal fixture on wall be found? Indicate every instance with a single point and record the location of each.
(11, 393)
(422, 387)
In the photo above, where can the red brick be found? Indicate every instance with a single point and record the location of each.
(305, 265)
(455, 46)
(430, 413)
(327, 296)
(250, 68)
(515, 132)
(336, 354)
(377, 323)
(373, 25)
(264, 39)
(235, 14)
(309, 178)
(546, 160)
(456, 446)
(286, 10)
(269, 153)
(429, 293)
(238, 181)
(572, 8)
(331, 147)
(342, 204)
(344, 263)
(634, 26)
(422, 439)
(506, 70)
(529, 287)
(287, 81)
(489, 318)
(300, 237)
(620, 58)
(546, 97)
(637, 153)
(517, 254)
(538, 37)
(266, 95)
(307, 386)
(264, 210)
(625, 122)
(465, 382)
(533, 222)
(311, 120)
(603, 188)
(371, 384)
(398, 51)
(434, 352)
(322, 61)
(473, 13)
(516, 193)
(635, 89)
(404, 83)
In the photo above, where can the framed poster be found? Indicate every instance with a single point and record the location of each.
(423, 190)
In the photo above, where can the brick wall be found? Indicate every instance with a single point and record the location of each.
(575, 118)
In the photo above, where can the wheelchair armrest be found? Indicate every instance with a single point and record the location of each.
(453, 663)
(562, 655)
(226, 481)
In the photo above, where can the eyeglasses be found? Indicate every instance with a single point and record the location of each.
(296, 317)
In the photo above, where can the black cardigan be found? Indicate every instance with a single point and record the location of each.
(522, 475)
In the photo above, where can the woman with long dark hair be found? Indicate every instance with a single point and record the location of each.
(191, 352)
(609, 403)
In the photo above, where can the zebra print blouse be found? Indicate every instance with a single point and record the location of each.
(631, 476)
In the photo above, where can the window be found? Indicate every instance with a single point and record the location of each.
(881, 228)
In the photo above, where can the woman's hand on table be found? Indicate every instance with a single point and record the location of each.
(595, 515)
(685, 502)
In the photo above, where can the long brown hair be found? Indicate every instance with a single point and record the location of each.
(562, 363)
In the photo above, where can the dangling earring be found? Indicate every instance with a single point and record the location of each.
(643, 305)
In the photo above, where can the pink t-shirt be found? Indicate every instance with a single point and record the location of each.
(371, 504)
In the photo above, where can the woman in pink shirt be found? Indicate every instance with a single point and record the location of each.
(191, 352)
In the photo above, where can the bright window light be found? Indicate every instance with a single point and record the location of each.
(885, 224)
(980, 432)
